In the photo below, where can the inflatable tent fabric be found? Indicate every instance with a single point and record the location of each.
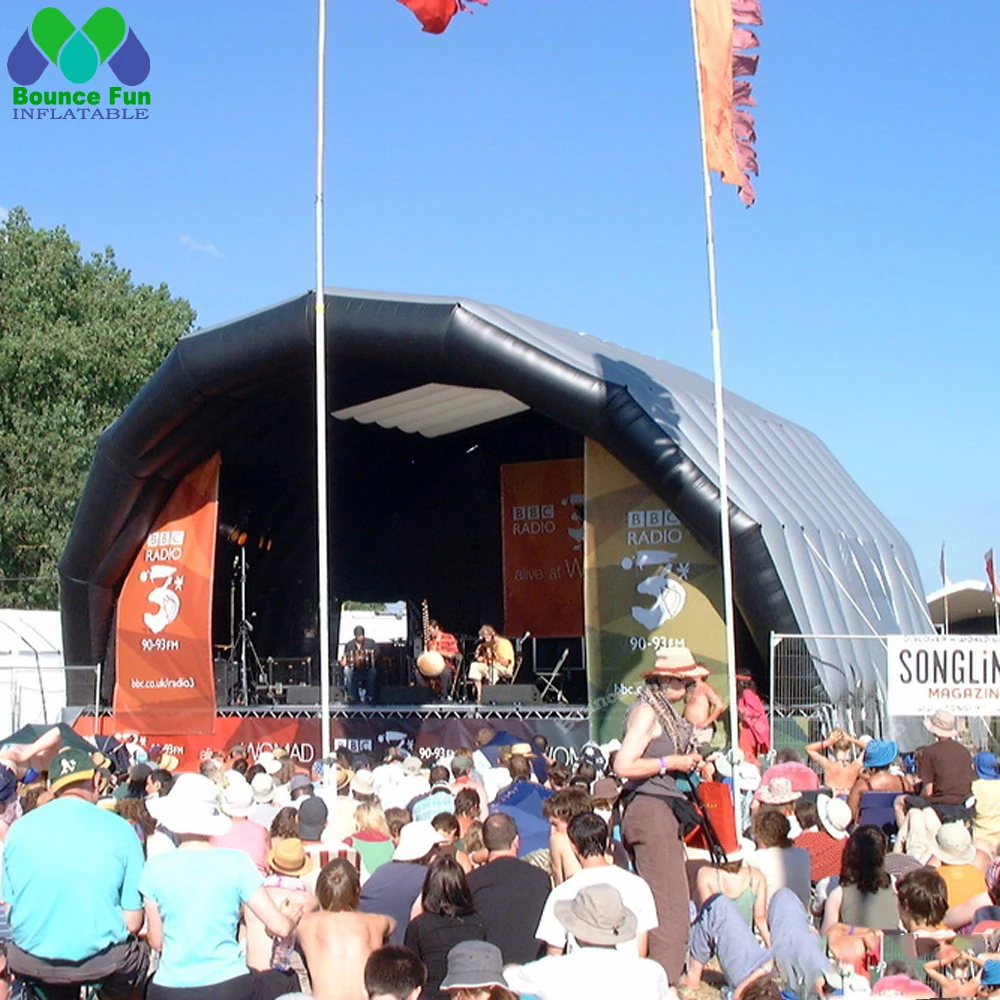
(790, 499)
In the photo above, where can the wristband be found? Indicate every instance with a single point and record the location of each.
(662, 761)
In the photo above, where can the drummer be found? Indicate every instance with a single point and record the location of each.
(444, 643)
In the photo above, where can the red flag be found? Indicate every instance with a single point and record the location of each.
(436, 15)
(991, 573)
(728, 130)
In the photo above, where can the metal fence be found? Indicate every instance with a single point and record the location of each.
(37, 694)
(801, 710)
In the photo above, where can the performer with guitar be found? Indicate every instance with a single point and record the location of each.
(493, 660)
(358, 662)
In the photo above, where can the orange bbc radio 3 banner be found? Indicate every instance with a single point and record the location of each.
(164, 673)
(543, 547)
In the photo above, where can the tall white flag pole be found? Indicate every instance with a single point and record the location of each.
(323, 627)
(729, 610)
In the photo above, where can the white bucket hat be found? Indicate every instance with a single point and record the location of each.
(191, 806)
(835, 815)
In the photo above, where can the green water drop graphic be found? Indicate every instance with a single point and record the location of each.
(78, 59)
(50, 28)
(106, 29)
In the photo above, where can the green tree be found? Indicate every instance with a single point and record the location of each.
(77, 340)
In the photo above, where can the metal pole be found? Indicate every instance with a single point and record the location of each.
(323, 625)
(720, 426)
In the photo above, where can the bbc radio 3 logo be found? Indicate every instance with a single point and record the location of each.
(78, 53)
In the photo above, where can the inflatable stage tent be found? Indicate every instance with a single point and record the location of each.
(800, 523)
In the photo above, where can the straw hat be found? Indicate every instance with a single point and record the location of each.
(288, 857)
(413, 765)
(834, 814)
(522, 750)
(269, 762)
(942, 724)
(191, 807)
(677, 662)
(953, 844)
(169, 762)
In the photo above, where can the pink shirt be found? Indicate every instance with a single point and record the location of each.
(802, 777)
(249, 837)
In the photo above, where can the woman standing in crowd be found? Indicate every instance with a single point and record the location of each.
(656, 751)
(193, 898)
(866, 896)
(448, 919)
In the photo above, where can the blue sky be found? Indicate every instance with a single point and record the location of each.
(544, 155)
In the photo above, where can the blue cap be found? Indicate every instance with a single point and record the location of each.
(991, 973)
(880, 753)
(986, 765)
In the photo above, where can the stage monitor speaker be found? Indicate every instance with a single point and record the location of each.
(303, 694)
(510, 694)
(404, 694)
(226, 675)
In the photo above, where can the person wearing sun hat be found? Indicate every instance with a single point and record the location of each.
(598, 921)
(779, 792)
(945, 769)
(954, 849)
(194, 897)
(243, 833)
(657, 750)
(71, 880)
(474, 965)
(288, 865)
(876, 775)
(989, 979)
(986, 789)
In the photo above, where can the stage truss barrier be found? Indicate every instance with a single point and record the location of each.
(561, 713)
(801, 712)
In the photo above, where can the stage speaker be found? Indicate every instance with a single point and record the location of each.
(225, 681)
(405, 694)
(304, 694)
(510, 694)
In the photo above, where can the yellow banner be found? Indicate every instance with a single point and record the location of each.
(648, 585)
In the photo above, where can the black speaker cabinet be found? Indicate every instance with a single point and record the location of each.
(403, 694)
(304, 694)
(510, 694)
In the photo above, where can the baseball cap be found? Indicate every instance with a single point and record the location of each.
(313, 815)
(68, 766)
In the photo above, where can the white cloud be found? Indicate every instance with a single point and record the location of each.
(3, 213)
(195, 247)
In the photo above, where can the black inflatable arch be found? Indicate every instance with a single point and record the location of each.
(261, 366)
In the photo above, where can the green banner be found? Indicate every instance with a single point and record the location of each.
(648, 585)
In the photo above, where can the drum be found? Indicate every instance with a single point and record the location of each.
(431, 663)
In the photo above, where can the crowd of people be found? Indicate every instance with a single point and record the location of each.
(499, 872)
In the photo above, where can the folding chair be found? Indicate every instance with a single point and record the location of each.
(552, 680)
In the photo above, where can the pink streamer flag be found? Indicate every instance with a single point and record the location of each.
(723, 39)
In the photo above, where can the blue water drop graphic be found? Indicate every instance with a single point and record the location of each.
(26, 64)
(78, 59)
(131, 62)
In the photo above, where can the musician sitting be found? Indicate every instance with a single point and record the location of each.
(493, 661)
(358, 662)
(444, 643)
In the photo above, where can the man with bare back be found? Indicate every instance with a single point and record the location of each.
(702, 706)
(337, 939)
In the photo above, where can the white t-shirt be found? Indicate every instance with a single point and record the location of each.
(635, 894)
(495, 780)
(591, 974)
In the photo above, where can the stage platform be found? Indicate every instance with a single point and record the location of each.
(430, 710)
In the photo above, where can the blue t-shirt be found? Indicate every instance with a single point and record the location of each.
(199, 894)
(69, 869)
